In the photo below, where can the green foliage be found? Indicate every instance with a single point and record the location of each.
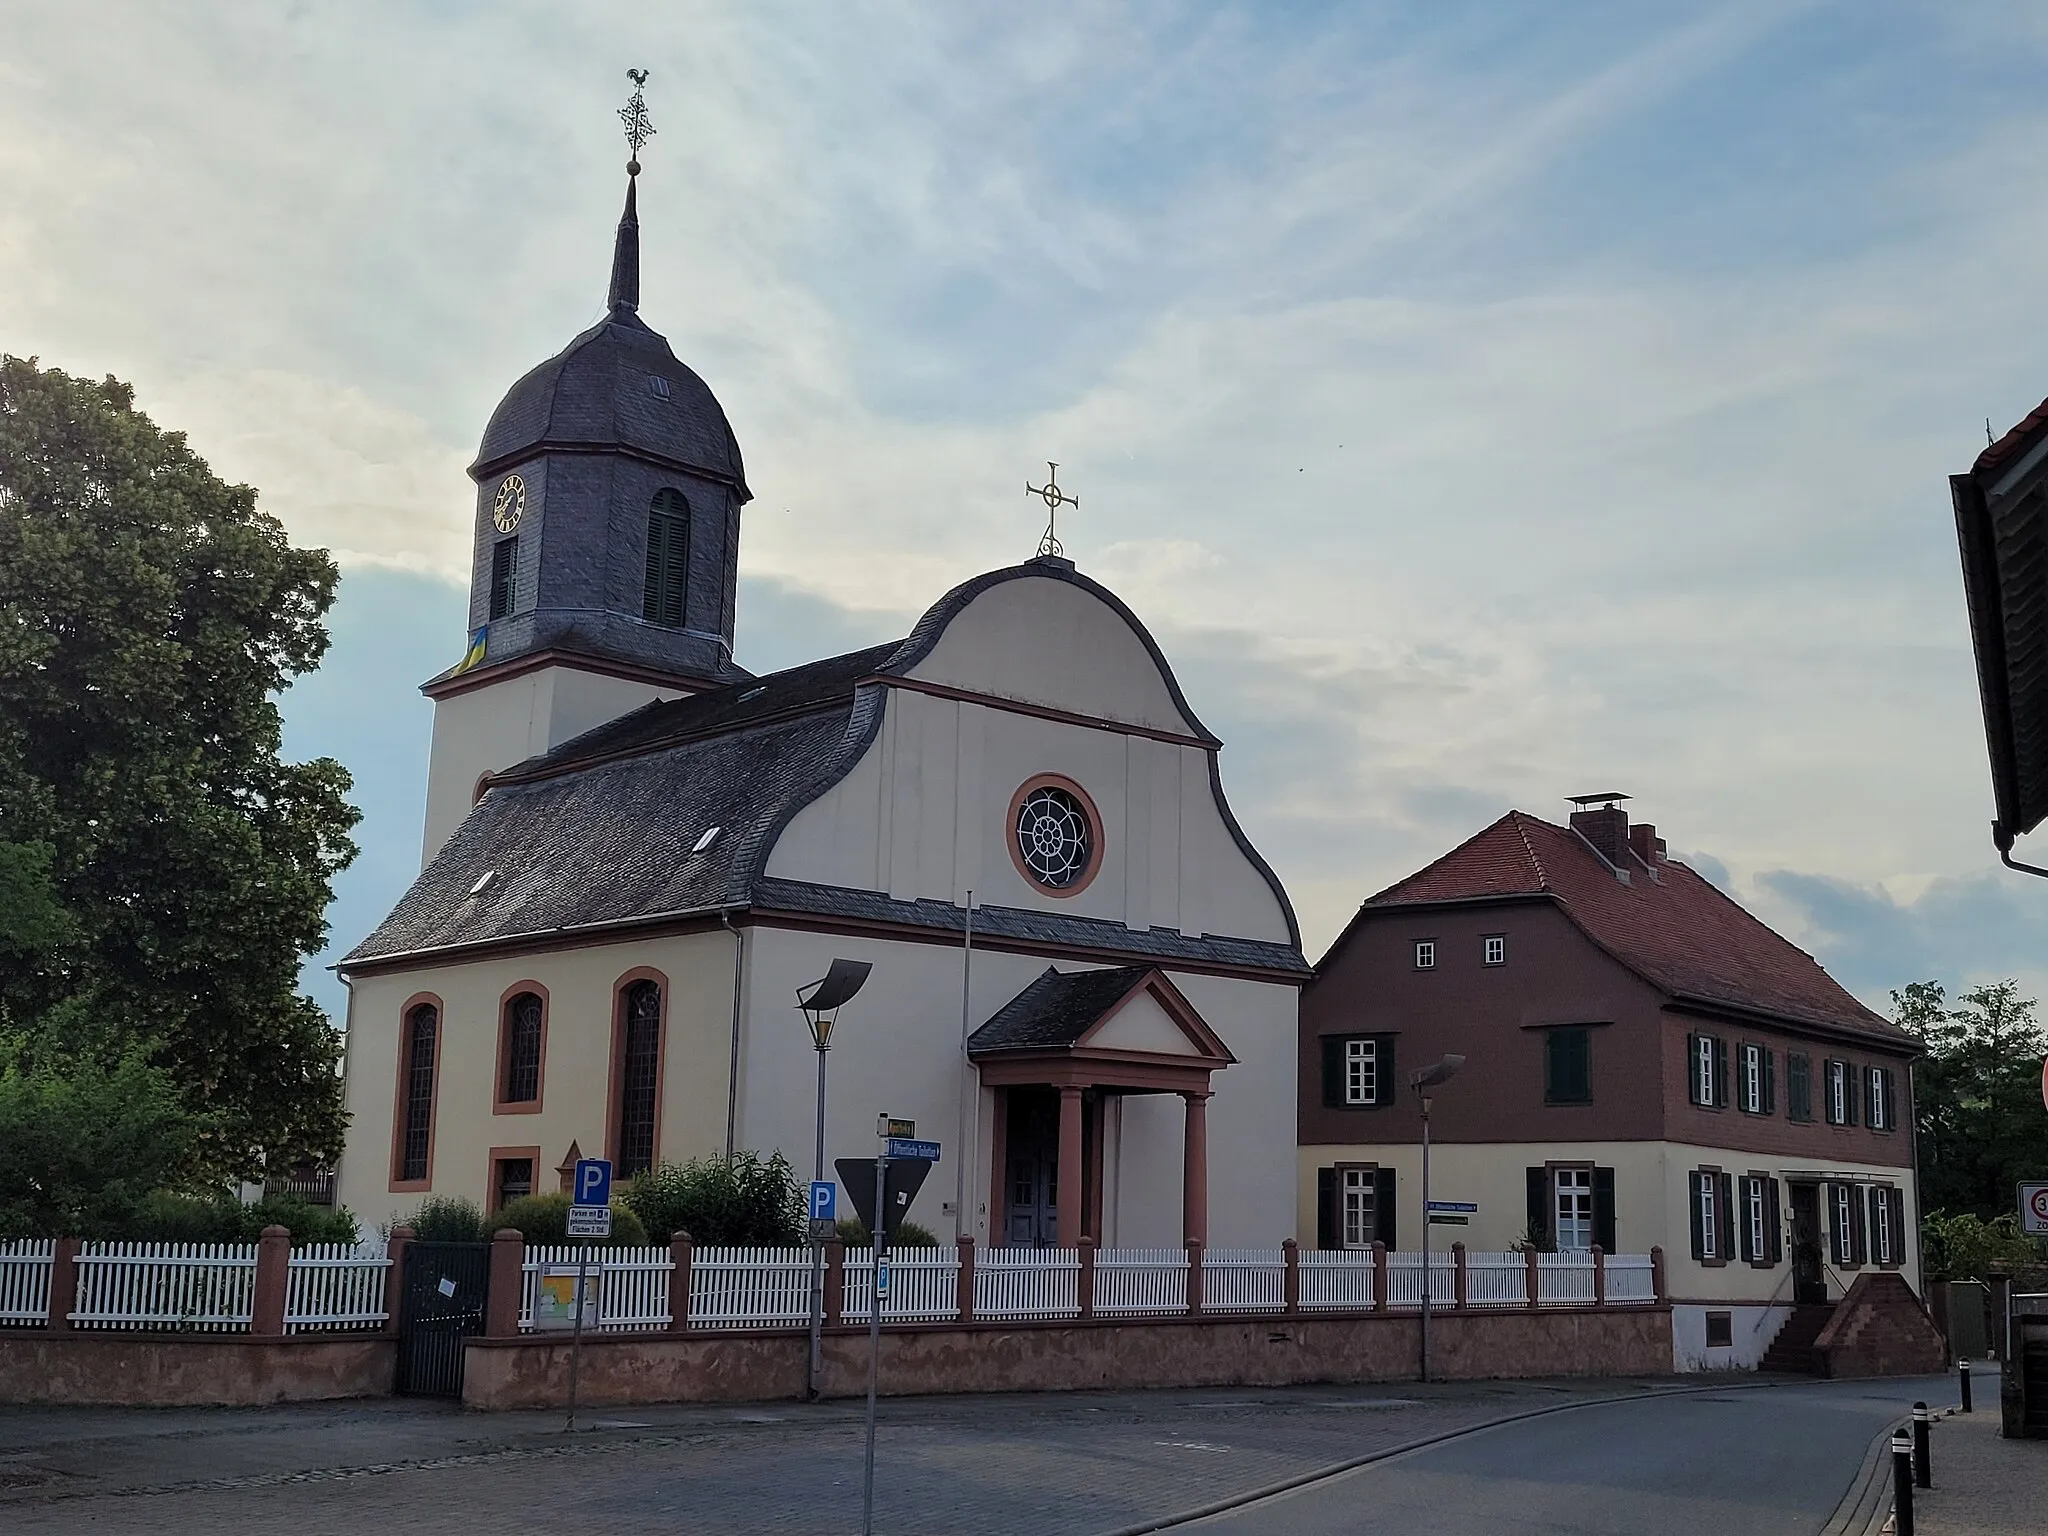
(162, 870)
(854, 1233)
(1966, 1247)
(544, 1219)
(216, 1216)
(447, 1219)
(1979, 1121)
(83, 1146)
(748, 1201)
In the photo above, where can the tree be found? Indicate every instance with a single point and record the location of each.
(746, 1200)
(170, 869)
(1979, 1119)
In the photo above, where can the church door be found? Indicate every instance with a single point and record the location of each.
(1032, 1160)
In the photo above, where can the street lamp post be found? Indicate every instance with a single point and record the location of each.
(819, 1003)
(1422, 1081)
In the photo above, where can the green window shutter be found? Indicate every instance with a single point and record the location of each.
(1859, 1235)
(1603, 1208)
(1383, 1207)
(1770, 1081)
(1727, 1213)
(1774, 1224)
(1851, 1081)
(1720, 1072)
(1327, 1235)
(1898, 1200)
(665, 597)
(1695, 1183)
(1692, 1069)
(1333, 1071)
(1539, 1207)
(504, 573)
(1386, 1086)
(1798, 1087)
(1552, 1078)
(1567, 1065)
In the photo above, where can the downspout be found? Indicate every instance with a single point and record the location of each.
(2005, 857)
(348, 1029)
(732, 1075)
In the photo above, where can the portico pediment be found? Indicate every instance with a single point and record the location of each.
(1126, 1028)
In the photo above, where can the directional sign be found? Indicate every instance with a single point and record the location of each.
(1469, 1207)
(824, 1200)
(590, 1221)
(593, 1184)
(904, 1147)
(1449, 1219)
(889, 1127)
(2034, 1209)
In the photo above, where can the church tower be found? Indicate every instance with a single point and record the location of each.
(606, 555)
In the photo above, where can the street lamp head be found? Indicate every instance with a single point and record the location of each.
(821, 1000)
(1438, 1072)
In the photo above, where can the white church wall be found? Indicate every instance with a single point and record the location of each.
(1252, 1114)
(580, 984)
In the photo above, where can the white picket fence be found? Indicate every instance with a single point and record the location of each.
(1631, 1279)
(1027, 1282)
(1500, 1279)
(1339, 1280)
(1244, 1280)
(1136, 1282)
(197, 1287)
(924, 1285)
(334, 1287)
(749, 1287)
(631, 1284)
(25, 1280)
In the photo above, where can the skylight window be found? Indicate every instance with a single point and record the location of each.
(752, 693)
(710, 836)
(658, 384)
(483, 880)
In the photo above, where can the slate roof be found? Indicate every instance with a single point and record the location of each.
(1056, 1009)
(1678, 931)
(601, 832)
(594, 395)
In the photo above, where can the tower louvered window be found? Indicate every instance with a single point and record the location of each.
(421, 1027)
(639, 1077)
(504, 571)
(668, 560)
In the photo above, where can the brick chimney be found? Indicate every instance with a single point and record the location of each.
(1648, 846)
(1604, 826)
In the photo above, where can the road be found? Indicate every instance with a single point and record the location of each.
(1763, 1462)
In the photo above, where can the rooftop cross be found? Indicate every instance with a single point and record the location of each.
(634, 115)
(1054, 498)
(625, 292)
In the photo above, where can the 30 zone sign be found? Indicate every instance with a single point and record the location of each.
(2034, 1209)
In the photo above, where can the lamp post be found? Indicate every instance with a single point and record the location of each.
(819, 1003)
(1422, 1081)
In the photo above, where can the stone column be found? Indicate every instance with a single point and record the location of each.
(1531, 1278)
(1194, 1277)
(273, 1282)
(1381, 1301)
(1657, 1274)
(1072, 1175)
(508, 1284)
(1290, 1282)
(835, 1282)
(1194, 1186)
(394, 1277)
(63, 1284)
(681, 1254)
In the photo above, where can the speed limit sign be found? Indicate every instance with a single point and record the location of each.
(2034, 1209)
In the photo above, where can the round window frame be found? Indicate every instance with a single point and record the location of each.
(1090, 870)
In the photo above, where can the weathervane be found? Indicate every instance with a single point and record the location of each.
(1054, 498)
(634, 115)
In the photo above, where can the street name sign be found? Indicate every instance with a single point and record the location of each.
(2034, 1209)
(890, 1128)
(1469, 1207)
(1449, 1219)
(914, 1151)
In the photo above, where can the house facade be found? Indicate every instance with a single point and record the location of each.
(637, 853)
(1647, 1065)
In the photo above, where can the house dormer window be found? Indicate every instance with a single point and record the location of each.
(1495, 949)
(1425, 954)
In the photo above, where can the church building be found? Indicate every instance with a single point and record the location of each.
(637, 853)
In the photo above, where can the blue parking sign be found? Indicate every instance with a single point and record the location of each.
(824, 1200)
(593, 1182)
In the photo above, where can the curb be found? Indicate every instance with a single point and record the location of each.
(1866, 1509)
(1352, 1464)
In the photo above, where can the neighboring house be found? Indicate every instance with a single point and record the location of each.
(1646, 1065)
(637, 853)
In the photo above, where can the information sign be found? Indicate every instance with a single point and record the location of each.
(554, 1297)
(593, 1182)
(590, 1221)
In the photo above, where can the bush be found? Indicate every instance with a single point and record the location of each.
(747, 1201)
(544, 1220)
(447, 1219)
(1967, 1247)
(216, 1216)
(910, 1234)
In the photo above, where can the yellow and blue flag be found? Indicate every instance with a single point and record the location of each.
(475, 654)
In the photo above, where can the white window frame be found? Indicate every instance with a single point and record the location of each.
(1881, 1225)
(1710, 1226)
(1879, 1104)
(1703, 1072)
(1358, 1207)
(1495, 951)
(1425, 954)
(1753, 1079)
(1572, 1187)
(1846, 1196)
(1756, 1211)
(1838, 1093)
(1361, 1072)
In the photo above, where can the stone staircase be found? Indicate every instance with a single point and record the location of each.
(1791, 1351)
(1880, 1329)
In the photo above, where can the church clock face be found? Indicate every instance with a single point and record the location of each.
(1053, 833)
(510, 504)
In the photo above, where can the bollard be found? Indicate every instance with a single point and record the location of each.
(1963, 1380)
(1902, 1483)
(1923, 1421)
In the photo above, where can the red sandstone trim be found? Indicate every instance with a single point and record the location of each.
(398, 1185)
(500, 1105)
(507, 1285)
(1097, 842)
(273, 1280)
(503, 1154)
(615, 1084)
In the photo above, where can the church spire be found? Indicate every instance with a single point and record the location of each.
(625, 292)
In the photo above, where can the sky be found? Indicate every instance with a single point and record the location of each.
(1482, 403)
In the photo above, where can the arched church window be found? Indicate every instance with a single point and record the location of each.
(422, 1029)
(639, 1077)
(522, 1026)
(668, 560)
(1055, 839)
(504, 571)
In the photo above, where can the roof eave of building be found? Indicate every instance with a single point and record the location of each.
(1874, 1034)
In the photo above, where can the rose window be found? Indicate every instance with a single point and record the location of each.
(1053, 837)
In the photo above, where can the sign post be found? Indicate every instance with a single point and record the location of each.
(899, 1144)
(590, 1215)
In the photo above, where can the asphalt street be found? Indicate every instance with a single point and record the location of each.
(1769, 1462)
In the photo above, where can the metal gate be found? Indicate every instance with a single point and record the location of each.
(442, 1303)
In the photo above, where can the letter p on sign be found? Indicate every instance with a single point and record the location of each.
(593, 1182)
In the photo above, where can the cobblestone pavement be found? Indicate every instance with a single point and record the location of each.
(1983, 1484)
(1082, 1463)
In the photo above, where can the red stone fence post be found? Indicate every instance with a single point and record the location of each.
(1290, 1279)
(835, 1282)
(273, 1282)
(963, 1281)
(1533, 1277)
(1194, 1277)
(1657, 1275)
(63, 1284)
(681, 1254)
(508, 1284)
(1084, 1284)
(1381, 1301)
(1599, 1276)
(394, 1278)
(1461, 1287)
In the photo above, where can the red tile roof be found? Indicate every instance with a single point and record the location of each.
(1677, 932)
(2012, 443)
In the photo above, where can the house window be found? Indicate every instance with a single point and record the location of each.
(1878, 1113)
(665, 596)
(422, 1027)
(1881, 1225)
(1841, 1088)
(1361, 1072)
(1799, 1088)
(1568, 1065)
(1574, 1203)
(1425, 954)
(1720, 1330)
(1756, 1092)
(1710, 1216)
(513, 1181)
(1754, 1212)
(1361, 1213)
(1845, 1235)
(1496, 949)
(1707, 1071)
(522, 1050)
(504, 571)
(639, 1077)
